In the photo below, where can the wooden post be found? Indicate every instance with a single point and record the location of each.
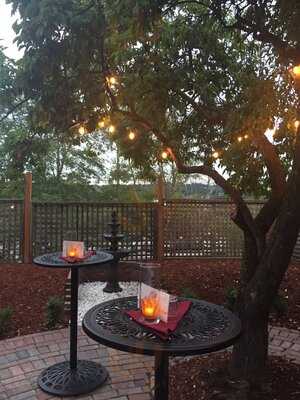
(27, 243)
(160, 218)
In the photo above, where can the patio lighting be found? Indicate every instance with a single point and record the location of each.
(239, 139)
(81, 130)
(101, 123)
(112, 81)
(111, 129)
(164, 155)
(215, 154)
(131, 135)
(246, 136)
(295, 72)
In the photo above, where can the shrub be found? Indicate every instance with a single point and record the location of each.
(230, 297)
(5, 319)
(54, 311)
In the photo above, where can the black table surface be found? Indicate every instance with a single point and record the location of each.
(205, 328)
(54, 260)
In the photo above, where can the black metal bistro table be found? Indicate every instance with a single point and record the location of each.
(72, 377)
(204, 329)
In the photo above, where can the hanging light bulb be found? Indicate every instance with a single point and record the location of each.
(297, 124)
(111, 129)
(81, 130)
(164, 155)
(101, 123)
(296, 72)
(216, 155)
(239, 139)
(246, 136)
(131, 135)
(112, 80)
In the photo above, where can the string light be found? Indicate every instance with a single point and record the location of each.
(101, 124)
(297, 124)
(81, 130)
(246, 136)
(239, 139)
(131, 135)
(216, 154)
(111, 129)
(296, 71)
(164, 155)
(112, 80)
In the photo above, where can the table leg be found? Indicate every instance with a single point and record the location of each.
(74, 377)
(161, 380)
(73, 318)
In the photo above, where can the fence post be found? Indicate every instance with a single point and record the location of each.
(160, 218)
(27, 242)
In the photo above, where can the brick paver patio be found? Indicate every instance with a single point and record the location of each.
(23, 358)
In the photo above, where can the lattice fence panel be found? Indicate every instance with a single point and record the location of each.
(11, 230)
(202, 229)
(54, 222)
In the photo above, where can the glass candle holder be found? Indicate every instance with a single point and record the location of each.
(149, 282)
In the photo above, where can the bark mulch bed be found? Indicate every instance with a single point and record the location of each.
(211, 279)
(206, 378)
(26, 289)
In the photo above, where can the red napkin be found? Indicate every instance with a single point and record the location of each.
(72, 260)
(162, 329)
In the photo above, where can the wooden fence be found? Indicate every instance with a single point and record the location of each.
(11, 230)
(164, 229)
(53, 222)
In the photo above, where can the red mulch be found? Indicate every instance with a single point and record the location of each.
(206, 378)
(26, 289)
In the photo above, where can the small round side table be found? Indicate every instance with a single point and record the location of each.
(75, 376)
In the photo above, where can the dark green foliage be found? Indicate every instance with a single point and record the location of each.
(231, 297)
(5, 319)
(54, 311)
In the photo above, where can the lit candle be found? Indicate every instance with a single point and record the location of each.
(149, 307)
(72, 252)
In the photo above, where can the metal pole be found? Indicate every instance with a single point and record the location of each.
(161, 390)
(74, 316)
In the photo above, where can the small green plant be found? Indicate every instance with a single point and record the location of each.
(189, 293)
(5, 319)
(54, 311)
(230, 297)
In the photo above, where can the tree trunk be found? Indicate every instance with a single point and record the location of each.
(251, 351)
(259, 286)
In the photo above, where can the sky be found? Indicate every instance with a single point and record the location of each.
(7, 34)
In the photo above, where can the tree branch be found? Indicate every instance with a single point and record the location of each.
(14, 108)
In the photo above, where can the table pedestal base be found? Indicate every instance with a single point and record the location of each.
(61, 380)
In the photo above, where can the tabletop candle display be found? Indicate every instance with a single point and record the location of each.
(73, 249)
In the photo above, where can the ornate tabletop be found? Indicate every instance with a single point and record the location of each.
(205, 328)
(54, 260)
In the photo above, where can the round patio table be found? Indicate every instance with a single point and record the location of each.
(72, 377)
(204, 329)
